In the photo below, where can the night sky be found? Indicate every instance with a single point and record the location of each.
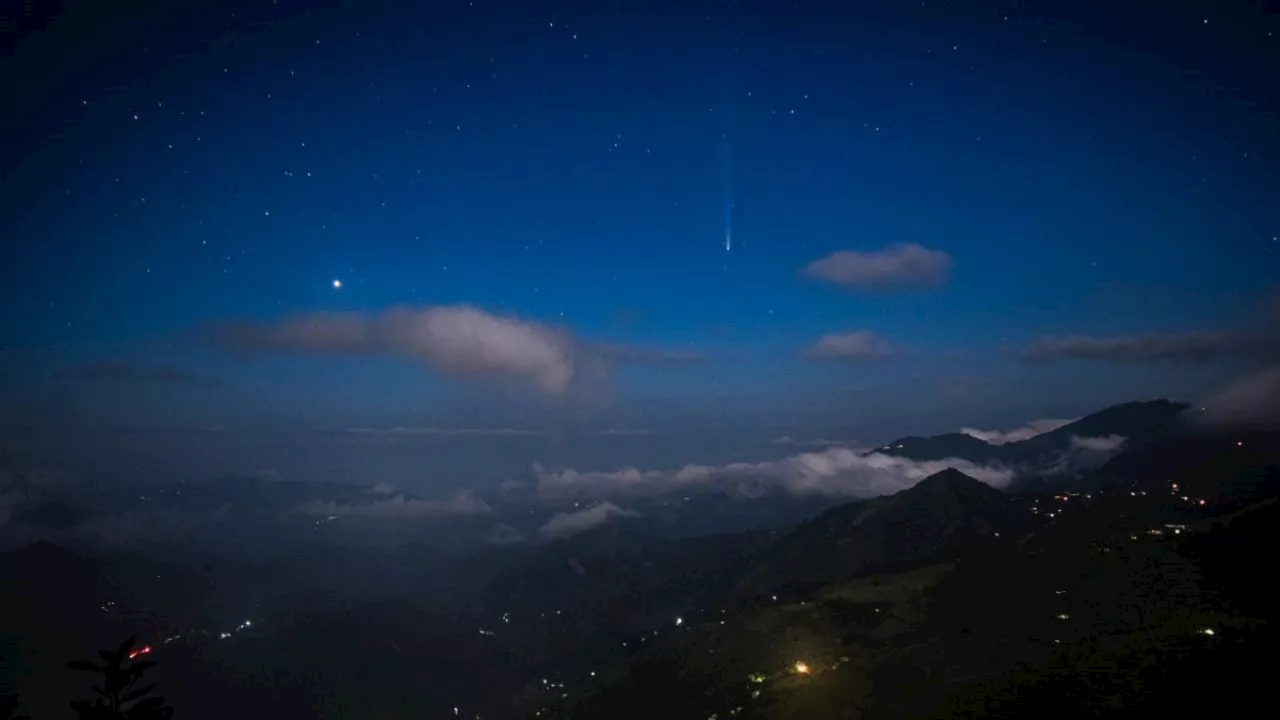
(617, 233)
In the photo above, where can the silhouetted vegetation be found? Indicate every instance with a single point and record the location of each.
(10, 707)
(118, 695)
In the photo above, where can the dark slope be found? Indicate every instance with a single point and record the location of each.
(942, 447)
(941, 515)
(1136, 422)
(1203, 464)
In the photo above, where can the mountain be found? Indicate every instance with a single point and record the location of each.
(941, 447)
(911, 606)
(629, 589)
(940, 516)
(1053, 453)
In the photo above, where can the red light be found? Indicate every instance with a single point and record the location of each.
(140, 651)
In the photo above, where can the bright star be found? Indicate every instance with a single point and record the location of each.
(337, 284)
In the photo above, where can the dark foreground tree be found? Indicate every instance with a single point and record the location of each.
(9, 708)
(118, 695)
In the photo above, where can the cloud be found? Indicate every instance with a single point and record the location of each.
(1185, 346)
(1252, 399)
(458, 340)
(817, 442)
(853, 345)
(564, 525)
(503, 534)
(1101, 444)
(1084, 454)
(638, 355)
(115, 371)
(399, 506)
(401, 431)
(1030, 430)
(833, 472)
(382, 488)
(906, 265)
(624, 432)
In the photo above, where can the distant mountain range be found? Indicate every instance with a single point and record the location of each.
(1133, 423)
(892, 603)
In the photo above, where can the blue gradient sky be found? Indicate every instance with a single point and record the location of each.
(1099, 169)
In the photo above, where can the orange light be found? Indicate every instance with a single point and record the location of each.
(802, 668)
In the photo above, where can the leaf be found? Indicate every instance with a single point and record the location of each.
(107, 656)
(125, 647)
(151, 704)
(116, 680)
(86, 665)
(150, 709)
(142, 666)
(136, 694)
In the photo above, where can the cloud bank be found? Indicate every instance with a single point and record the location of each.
(833, 472)
(1026, 432)
(1187, 346)
(462, 503)
(1253, 399)
(115, 371)
(565, 525)
(853, 345)
(402, 431)
(1085, 454)
(458, 340)
(906, 265)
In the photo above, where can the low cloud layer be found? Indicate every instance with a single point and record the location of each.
(814, 442)
(462, 503)
(402, 431)
(1026, 432)
(115, 371)
(833, 472)
(1085, 454)
(1188, 346)
(906, 265)
(1253, 399)
(853, 345)
(565, 525)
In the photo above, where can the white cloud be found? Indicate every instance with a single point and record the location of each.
(1026, 432)
(852, 345)
(564, 525)
(382, 488)
(1253, 399)
(1103, 444)
(458, 340)
(906, 265)
(1085, 454)
(835, 472)
(399, 506)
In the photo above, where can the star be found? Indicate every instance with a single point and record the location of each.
(337, 284)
